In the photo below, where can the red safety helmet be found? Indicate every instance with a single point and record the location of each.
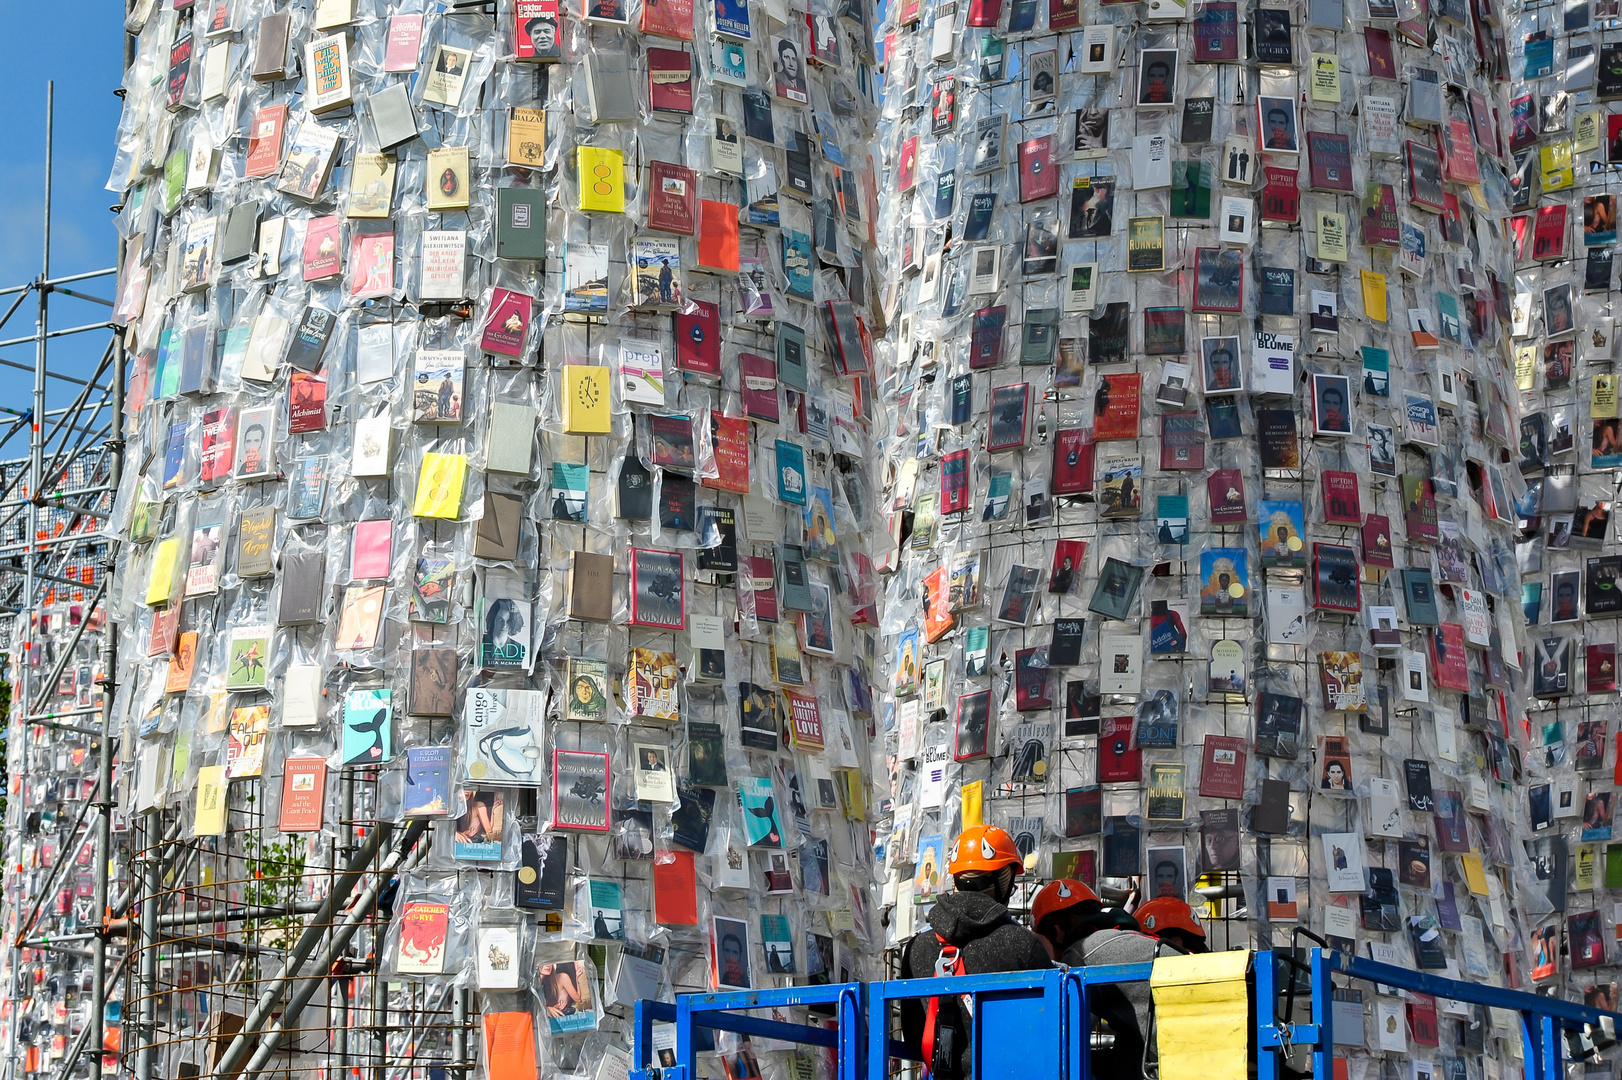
(983, 848)
(1168, 913)
(1058, 895)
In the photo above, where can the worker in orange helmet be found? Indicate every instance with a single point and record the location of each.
(1059, 911)
(1173, 921)
(970, 933)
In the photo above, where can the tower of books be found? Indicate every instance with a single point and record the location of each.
(1236, 360)
(497, 504)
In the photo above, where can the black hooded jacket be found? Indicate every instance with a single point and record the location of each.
(989, 940)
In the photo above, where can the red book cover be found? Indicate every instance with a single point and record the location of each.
(759, 380)
(219, 444)
(1377, 546)
(1119, 759)
(981, 13)
(1549, 234)
(730, 438)
(322, 256)
(1458, 152)
(507, 323)
(698, 339)
(1182, 441)
(1422, 1020)
(1073, 459)
(1115, 406)
(403, 50)
(1222, 768)
(937, 604)
(1380, 224)
(1447, 657)
(1601, 667)
(1331, 157)
(675, 889)
(718, 236)
(1067, 556)
(161, 639)
(986, 336)
(1038, 179)
(668, 18)
(672, 198)
(306, 403)
(955, 482)
(374, 548)
(1063, 14)
(265, 142)
(1341, 503)
(1281, 195)
(762, 586)
(1377, 44)
(1226, 488)
(805, 722)
(424, 926)
(304, 789)
(670, 76)
(908, 171)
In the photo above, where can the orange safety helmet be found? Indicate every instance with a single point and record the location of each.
(983, 847)
(1058, 895)
(1168, 913)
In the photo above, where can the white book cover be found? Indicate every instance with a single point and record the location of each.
(264, 352)
(369, 455)
(1097, 56)
(444, 262)
(1415, 678)
(1272, 363)
(1122, 669)
(1237, 223)
(200, 161)
(1385, 807)
(1286, 615)
(301, 695)
(641, 373)
(1081, 287)
(1379, 126)
(983, 262)
(1151, 161)
(498, 957)
(1343, 857)
(1477, 629)
(216, 66)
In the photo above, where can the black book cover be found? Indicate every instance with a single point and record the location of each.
(1107, 335)
(757, 115)
(1419, 593)
(690, 824)
(1083, 811)
(1198, 113)
(543, 871)
(1597, 271)
(678, 501)
(1608, 80)
(1276, 436)
(797, 165)
(303, 581)
(1123, 848)
(1418, 774)
(241, 227)
(718, 523)
(309, 340)
(706, 755)
(981, 205)
(1271, 27)
(962, 398)
(1278, 290)
(1064, 650)
(1602, 586)
(635, 490)
(1272, 814)
(1278, 725)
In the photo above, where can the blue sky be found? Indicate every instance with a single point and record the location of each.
(80, 45)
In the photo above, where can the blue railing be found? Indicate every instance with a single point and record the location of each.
(1036, 1023)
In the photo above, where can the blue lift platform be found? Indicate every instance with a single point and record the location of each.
(1036, 1024)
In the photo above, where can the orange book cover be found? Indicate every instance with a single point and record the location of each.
(304, 790)
(181, 664)
(718, 236)
(1115, 414)
(675, 891)
(509, 1045)
(730, 435)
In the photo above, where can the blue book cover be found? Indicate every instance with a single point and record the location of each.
(790, 472)
(427, 781)
(368, 727)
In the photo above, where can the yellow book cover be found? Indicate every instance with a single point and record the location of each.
(161, 585)
(585, 400)
(447, 178)
(1325, 77)
(1585, 134)
(526, 137)
(210, 817)
(1473, 875)
(1374, 305)
(1331, 236)
(973, 804)
(1602, 402)
(602, 178)
(1526, 360)
(1556, 162)
(371, 186)
(439, 486)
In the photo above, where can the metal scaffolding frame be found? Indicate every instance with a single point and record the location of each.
(53, 504)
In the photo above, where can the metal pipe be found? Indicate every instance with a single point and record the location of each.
(86, 328)
(306, 987)
(147, 945)
(86, 276)
(272, 994)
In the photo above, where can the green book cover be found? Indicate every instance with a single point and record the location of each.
(1613, 866)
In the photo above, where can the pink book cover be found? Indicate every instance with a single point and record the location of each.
(405, 43)
(322, 256)
(507, 323)
(372, 264)
(373, 547)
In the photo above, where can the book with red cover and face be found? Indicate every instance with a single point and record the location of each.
(1072, 463)
(306, 403)
(1447, 657)
(729, 438)
(1281, 194)
(670, 76)
(1377, 44)
(672, 198)
(1330, 155)
(1341, 503)
(668, 18)
(1549, 233)
(698, 339)
(758, 375)
(1038, 179)
(219, 444)
(1067, 557)
(1226, 488)
(1377, 546)
(1182, 441)
(507, 323)
(323, 258)
(1222, 767)
(1115, 406)
(955, 482)
(1459, 152)
(265, 141)
(1119, 759)
(907, 171)
(304, 789)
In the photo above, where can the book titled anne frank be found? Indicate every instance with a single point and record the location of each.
(1182, 441)
(1331, 158)
(954, 482)
(1216, 33)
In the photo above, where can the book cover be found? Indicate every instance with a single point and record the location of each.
(1330, 156)
(424, 926)
(506, 323)
(1038, 178)
(1222, 767)
(368, 734)
(304, 788)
